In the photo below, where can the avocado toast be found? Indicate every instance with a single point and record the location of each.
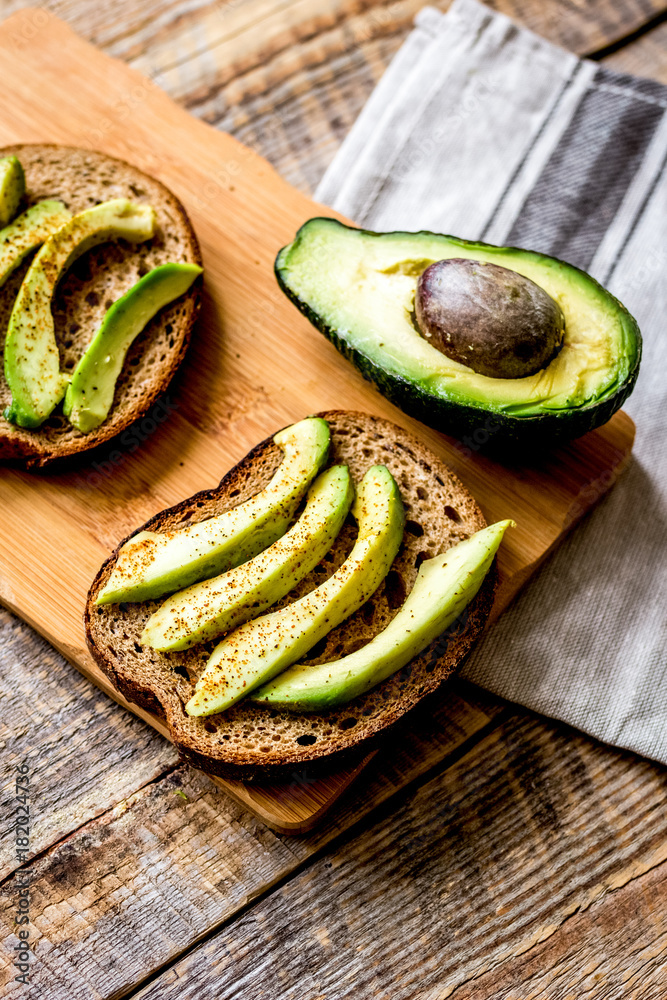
(251, 741)
(78, 180)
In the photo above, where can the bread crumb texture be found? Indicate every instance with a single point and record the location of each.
(80, 179)
(252, 741)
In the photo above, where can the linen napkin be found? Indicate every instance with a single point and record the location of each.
(486, 131)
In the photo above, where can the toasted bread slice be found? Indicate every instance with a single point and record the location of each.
(253, 742)
(81, 178)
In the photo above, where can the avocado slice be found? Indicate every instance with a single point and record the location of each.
(206, 610)
(32, 363)
(12, 188)
(358, 288)
(90, 394)
(27, 232)
(445, 585)
(151, 564)
(260, 649)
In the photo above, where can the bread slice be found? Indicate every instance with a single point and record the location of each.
(254, 742)
(81, 178)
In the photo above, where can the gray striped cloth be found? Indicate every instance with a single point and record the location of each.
(486, 131)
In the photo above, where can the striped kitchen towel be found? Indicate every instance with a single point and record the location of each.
(486, 131)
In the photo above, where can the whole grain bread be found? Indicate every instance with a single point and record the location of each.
(254, 742)
(80, 179)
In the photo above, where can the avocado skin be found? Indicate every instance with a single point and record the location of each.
(477, 428)
(27, 232)
(12, 188)
(31, 361)
(260, 649)
(208, 609)
(87, 404)
(247, 530)
(444, 587)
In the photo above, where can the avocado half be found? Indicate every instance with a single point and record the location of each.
(358, 288)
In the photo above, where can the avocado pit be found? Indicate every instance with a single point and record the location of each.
(491, 319)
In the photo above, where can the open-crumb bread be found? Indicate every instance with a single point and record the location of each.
(80, 179)
(250, 741)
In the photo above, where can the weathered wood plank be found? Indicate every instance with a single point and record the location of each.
(482, 863)
(296, 109)
(161, 855)
(616, 949)
(242, 212)
(84, 752)
(292, 89)
(289, 79)
(172, 32)
(132, 889)
(646, 56)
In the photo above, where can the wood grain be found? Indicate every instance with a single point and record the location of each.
(234, 389)
(612, 949)
(294, 94)
(486, 861)
(616, 949)
(131, 30)
(289, 79)
(645, 56)
(84, 752)
(131, 889)
(294, 103)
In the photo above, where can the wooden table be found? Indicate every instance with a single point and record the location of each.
(492, 854)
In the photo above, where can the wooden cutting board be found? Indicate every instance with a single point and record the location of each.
(255, 365)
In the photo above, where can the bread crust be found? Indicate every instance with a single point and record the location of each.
(80, 178)
(252, 742)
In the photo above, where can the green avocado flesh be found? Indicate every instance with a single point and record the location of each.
(32, 362)
(258, 650)
(206, 610)
(12, 188)
(358, 288)
(151, 564)
(444, 586)
(27, 232)
(90, 394)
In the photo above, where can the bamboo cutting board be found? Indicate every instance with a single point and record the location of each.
(254, 366)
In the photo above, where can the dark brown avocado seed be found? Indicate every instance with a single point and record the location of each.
(491, 319)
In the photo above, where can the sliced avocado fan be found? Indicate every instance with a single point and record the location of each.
(27, 232)
(445, 585)
(32, 363)
(151, 564)
(90, 394)
(258, 650)
(12, 188)
(206, 610)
